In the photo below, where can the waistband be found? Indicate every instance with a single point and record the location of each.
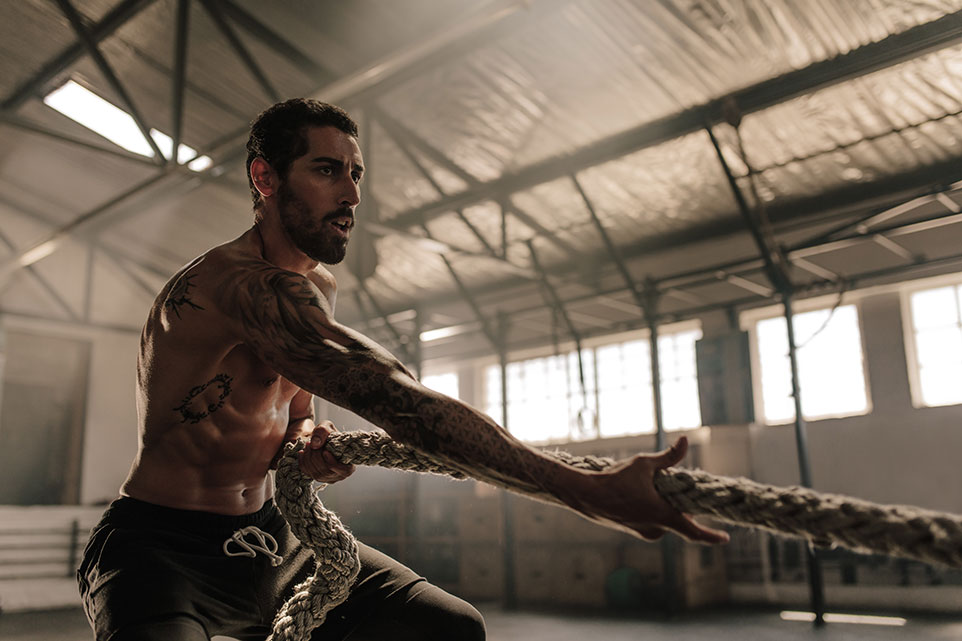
(142, 512)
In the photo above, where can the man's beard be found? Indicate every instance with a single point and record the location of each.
(310, 234)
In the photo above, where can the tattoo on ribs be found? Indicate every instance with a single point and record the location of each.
(180, 295)
(186, 409)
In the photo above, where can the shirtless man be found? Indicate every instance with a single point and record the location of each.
(234, 349)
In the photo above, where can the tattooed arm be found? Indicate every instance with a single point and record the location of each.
(283, 318)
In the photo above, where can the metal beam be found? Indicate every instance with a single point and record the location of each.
(543, 232)
(213, 9)
(415, 161)
(42, 282)
(492, 337)
(75, 20)
(911, 43)
(25, 125)
(144, 286)
(12, 313)
(816, 245)
(180, 75)
(52, 242)
(887, 192)
(491, 20)
(555, 301)
(888, 244)
(775, 268)
(815, 581)
(113, 20)
(400, 134)
(275, 42)
(610, 246)
(88, 284)
(817, 270)
(375, 75)
(402, 343)
(803, 291)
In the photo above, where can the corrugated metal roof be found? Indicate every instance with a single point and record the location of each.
(486, 128)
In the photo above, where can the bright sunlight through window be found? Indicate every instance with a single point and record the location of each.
(830, 369)
(446, 383)
(937, 333)
(547, 404)
(116, 125)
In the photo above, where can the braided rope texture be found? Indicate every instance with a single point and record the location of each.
(825, 519)
(335, 552)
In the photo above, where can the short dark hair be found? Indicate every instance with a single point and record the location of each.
(278, 134)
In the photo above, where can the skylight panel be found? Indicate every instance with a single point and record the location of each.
(116, 125)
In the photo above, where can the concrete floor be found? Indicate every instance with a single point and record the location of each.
(719, 625)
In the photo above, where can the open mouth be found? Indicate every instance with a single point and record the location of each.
(343, 224)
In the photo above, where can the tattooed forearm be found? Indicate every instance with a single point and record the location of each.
(282, 318)
(193, 410)
(179, 295)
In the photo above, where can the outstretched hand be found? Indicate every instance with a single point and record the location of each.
(317, 462)
(624, 497)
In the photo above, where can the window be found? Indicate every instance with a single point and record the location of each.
(546, 401)
(446, 383)
(936, 345)
(830, 365)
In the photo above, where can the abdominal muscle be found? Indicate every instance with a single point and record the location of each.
(219, 464)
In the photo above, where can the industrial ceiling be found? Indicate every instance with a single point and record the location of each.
(536, 168)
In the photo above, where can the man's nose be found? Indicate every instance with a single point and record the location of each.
(351, 196)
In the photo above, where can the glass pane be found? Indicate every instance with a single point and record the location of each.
(446, 383)
(941, 384)
(935, 308)
(492, 392)
(936, 346)
(680, 404)
(774, 370)
(830, 369)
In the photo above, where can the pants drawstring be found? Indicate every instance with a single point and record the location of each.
(265, 543)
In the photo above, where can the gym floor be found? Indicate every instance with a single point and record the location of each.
(715, 625)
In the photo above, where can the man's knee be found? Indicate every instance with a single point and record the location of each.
(468, 623)
(453, 618)
(181, 628)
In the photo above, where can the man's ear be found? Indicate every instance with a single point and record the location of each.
(264, 177)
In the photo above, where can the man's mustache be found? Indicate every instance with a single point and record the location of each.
(340, 213)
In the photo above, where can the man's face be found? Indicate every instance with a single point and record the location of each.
(316, 201)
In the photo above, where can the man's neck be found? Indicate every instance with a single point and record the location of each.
(276, 248)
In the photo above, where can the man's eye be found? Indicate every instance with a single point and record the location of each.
(327, 171)
(356, 177)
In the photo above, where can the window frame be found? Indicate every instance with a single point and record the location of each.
(906, 290)
(748, 321)
(568, 346)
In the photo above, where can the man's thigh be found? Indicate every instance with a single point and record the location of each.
(390, 599)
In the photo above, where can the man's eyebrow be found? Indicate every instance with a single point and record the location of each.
(335, 162)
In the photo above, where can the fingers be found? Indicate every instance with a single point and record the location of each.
(673, 455)
(320, 464)
(691, 530)
(320, 434)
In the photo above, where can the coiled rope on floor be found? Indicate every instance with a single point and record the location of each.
(824, 519)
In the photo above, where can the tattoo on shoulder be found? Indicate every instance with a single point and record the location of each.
(188, 409)
(180, 295)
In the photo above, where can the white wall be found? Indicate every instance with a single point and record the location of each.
(110, 430)
(894, 454)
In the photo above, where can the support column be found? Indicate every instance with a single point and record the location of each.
(815, 580)
(669, 544)
(507, 501)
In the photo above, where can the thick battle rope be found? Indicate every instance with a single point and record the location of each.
(824, 519)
